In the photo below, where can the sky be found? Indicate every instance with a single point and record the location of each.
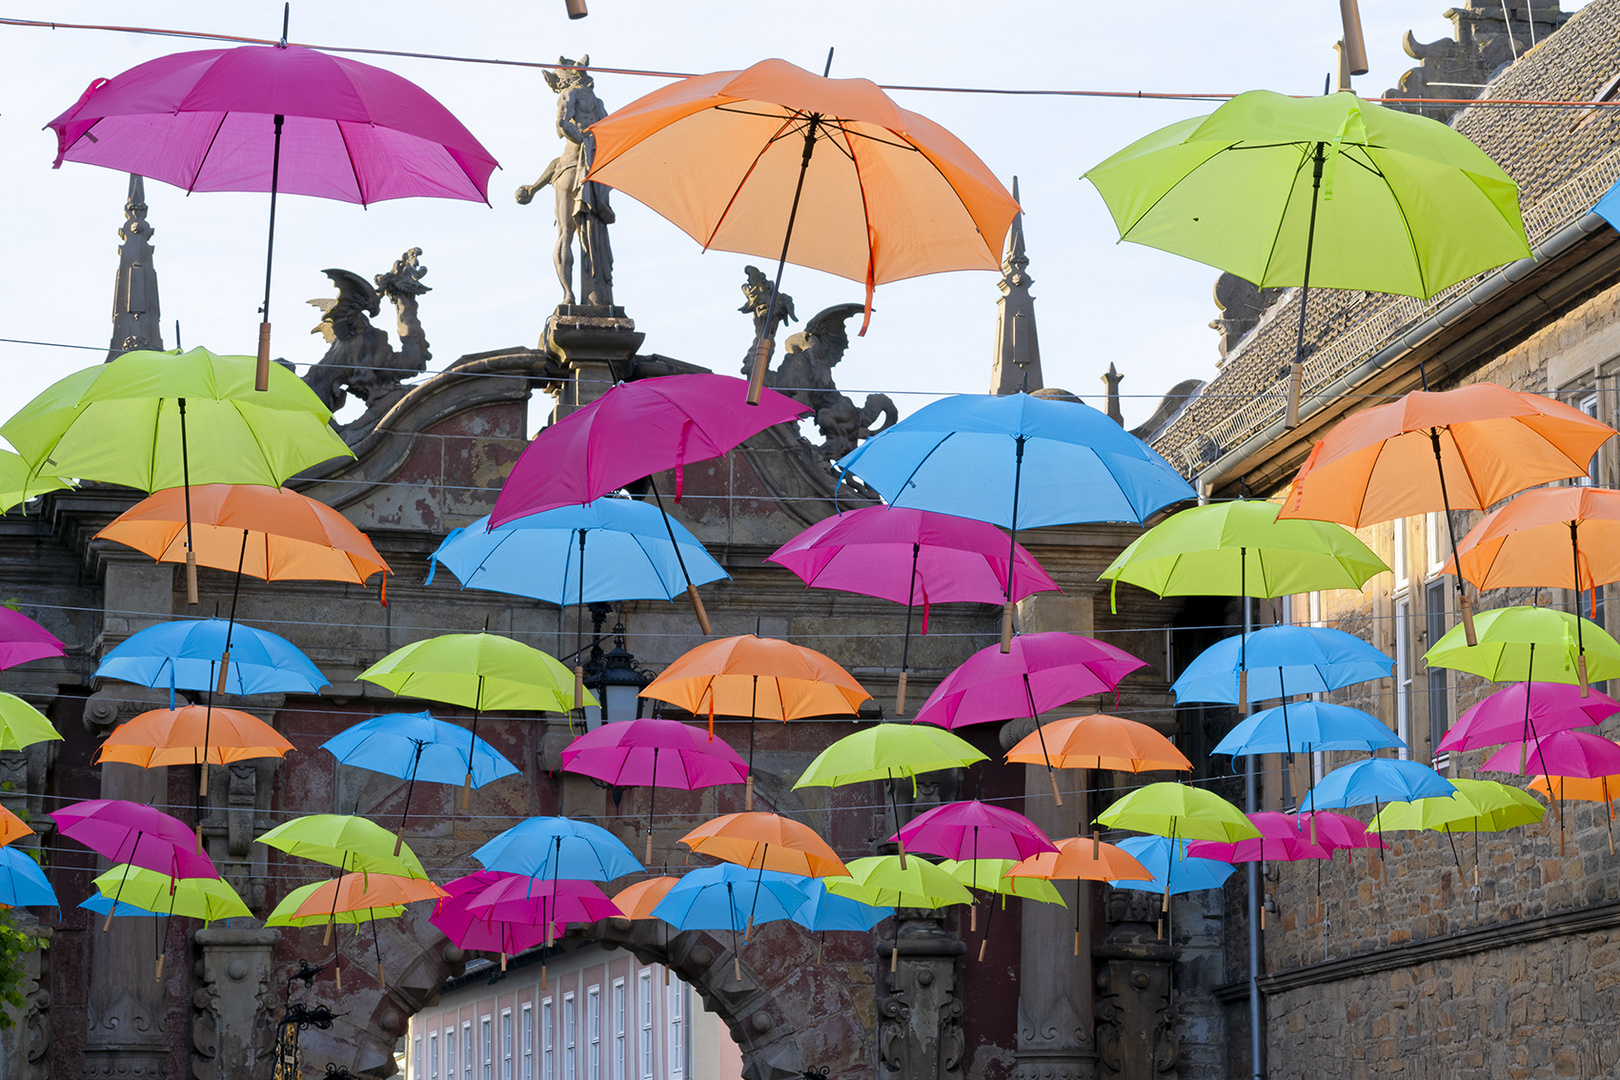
(1098, 301)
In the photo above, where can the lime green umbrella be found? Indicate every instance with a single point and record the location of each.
(285, 913)
(195, 897)
(23, 725)
(895, 881)
(1479, 806)
(1181, 812)
(155, 420)
(17, 487)
(1332, 191)
(1536, 644)
(347, 842)
(991, 876)
(479, 671)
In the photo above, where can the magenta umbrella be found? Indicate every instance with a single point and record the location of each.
(972, 831)
(1563, 753)
(550, 905)
(482, 931)
(1337, 832)
(215, 121)
(135, 835)
(1038, 672)
(1282, 839)
(628, 754)
(1523, 711)
(903, 554)
(22, 639)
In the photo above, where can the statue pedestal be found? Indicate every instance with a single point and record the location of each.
(233, 1021)
(596, 345)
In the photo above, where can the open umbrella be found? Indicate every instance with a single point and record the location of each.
(555, 848)
(1098, 742)
(626, 755)
(1173, 870)
(132, 421)
(1561, 753)
(22, 639)
(1329, 190)
(1530, 644)
(1461, 449)
(347, 842)
(482, 930)
(1523, 711)
(1601, 789)
(1078, 858)
(763, 842)
(23, 725)
(1280, 840)
(416, 746)
(208, 899)
(214, 121)
(729, 156)
(17, 485)
(186, 654)
(1510, 545)
(551, 905)
(637, 901)
(192, 735)
(1179, 811)
(991, 875)
(730, 897)
(1310, 726)
(760, 678)
(969, 455)
(905, 555)
(364, 897)
(825, 910)
(22, 882)
(971, 832)
(1377, 781)
(12, 827)
(134, 835)
(895, 881)
(1478, 806)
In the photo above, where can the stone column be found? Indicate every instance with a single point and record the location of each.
(234, 1009)
(596, 345)
(1136, 1013)
(920, 1017)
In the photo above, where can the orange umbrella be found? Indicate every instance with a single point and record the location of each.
(1458, 449)
(638, 900)
(1076, 859)
(192, 735)
(732, 157)
(760, 678)
(1603, 789)
(12, 827)
(767, 842)
(1099, 741)
(369, 896)
(1512, 545)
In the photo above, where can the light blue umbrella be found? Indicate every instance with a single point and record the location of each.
(731, 897)
(558, 847)
(1376, 781)
(824, 910)
(186, 654)
(1307, 726)
(22, 882)
(104, 905)
(612, 549)
(1173, 870)
(1281, 660)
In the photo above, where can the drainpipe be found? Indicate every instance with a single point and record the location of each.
(1476, 297)
(1252, 869)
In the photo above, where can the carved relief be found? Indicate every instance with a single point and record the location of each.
(234, 1006)
(359, 359)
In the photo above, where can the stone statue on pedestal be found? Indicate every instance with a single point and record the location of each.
(582, 206)
(360, 360)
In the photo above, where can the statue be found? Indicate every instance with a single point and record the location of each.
(757, 302)
(582, 205)
(360, 360)
(805, 375)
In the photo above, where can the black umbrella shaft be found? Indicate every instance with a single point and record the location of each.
(579, 625)
(670, 529)
(1012, 547)
(410, 785)
(787, 239)
(1575, 554)
(236, 590)
(1445, 502)
(1310, 242)
(270, 245)
(911, 598)
(185, 469)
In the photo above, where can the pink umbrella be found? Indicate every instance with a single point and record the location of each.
(1039, 672)
(214, 121)
(135, 835)
(22, 639)
(972, 831)
(1563, 753)
(895, 553)
(1282, 839)
(1338, 832)
(1525, 711)
(628, 754)
(482, 931)
(634, 430)
(550, 905)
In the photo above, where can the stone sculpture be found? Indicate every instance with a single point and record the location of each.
(360, 360)
(582, 206)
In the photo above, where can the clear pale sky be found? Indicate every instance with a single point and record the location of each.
(490, 267)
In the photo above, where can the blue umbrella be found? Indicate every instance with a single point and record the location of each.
(186, 654)
(1376, 781)
(823, 910)
(544, 555)
(728, 896)
(1280, 660)
(22, 882)
(1173, 870)
(968, 455)
(1307, 726)
(416, 746)
(557, 847)
(104, 905)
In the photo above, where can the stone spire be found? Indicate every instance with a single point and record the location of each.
(135, 295)
(1017, 363)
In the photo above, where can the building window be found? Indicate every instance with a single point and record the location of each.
(548, 1057)
(416, 1056)
(644, 993)
(526, 1037)
(433, 1056)
(1434, 614)
(1403, 673)
(1594, 468)
(677, 1029)
(1436, 541)
(570, 1021)
(450, 1053)
(1397, 551)
(466, 1051)
(506, 1045)
(619, 1064)
(593, 1033)
(486, 1042)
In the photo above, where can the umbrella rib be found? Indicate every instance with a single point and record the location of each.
(354, 171)
(206, 151)
(1406, 226)
(1276, 238)
(866, 218)
(781, 132)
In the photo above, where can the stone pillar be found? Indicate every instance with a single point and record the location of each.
(596, 345)
(920, 1017)
(1136, 1013)
(234, 1008)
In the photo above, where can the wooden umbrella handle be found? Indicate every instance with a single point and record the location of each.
(1006, 626)
(1467, 607)
(697, 609)
(191, 578)
(261, 375)
(900, 697)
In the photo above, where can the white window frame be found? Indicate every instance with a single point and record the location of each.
(1436, 542)
(433, 1055)
(570, 1039)
(620, 1018)
(1403, 672)
(468, 1050)
(1397, 553)
(644, 987)
(675, 1019)
(486, 1046)
(420, 1069)
(451, 1062)
(1594, 468)
(506, 1044)
(593, 1033)
(548, 1054)
(526, 1039)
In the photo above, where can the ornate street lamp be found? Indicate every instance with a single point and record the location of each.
(614, 678)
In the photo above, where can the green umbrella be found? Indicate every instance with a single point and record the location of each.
(478, 671)
(1332, 191)
(134, 420)
(22, 725)
(1479, 806)
(347, 842)
(1529, 644)
(195, 898)
(1181, 812)
(17, 487)
(991, 876)
(895, 881)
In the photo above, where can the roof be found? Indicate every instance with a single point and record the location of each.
(1563, 160)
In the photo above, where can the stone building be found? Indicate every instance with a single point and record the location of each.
(1417, 964)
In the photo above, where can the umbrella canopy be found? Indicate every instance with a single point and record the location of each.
(1280, 660)
(1512, 545)
(16, 485)
(192, 735)
(1307, 726)
(23, 725)
(346, 842)
(634, 430)
(825, 910)
(551, 905)
(22, 882)
(271, 533)
(637, 901)
(1529, 644)
(557, 847)
(12, 827)
(1478, 806)
(758, 841)
(1173, 870)
(995, 876)
(659, 753)
(1603, 789)
(1179, 810)
(729, 897)
(1376, 780)
(478, 671)
(1337, 831)
(482, 930)
(887, 751)
(104, 905)
(1523, 711)
(209, 899)
(763, 678)
(285, 913)
(359, 892)
(1242, 549)
(887, 881)
(22, 639)
(615, 549)
(1099, 742)
(1084, 859)
(418, 746)
(126, 832)
(1040, 672)
(121, 422)
(1562, 753)
(973, 830)
(1283, 838)
(186, 654)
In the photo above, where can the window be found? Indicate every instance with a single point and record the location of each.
(593, 1033)
(1434, 614)
(677, 1029)
(486, 1040)
(1594, 469)
(416, 1056)
(506, 1044)
(644, 991)
(466, 1050)
(570, 1038)
(526, 1036)
(1403, 673)
(450, 1052)
(548, 1058)
(1397, 551)
(1436, 541)
(433, 1056)
(619, 1063)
